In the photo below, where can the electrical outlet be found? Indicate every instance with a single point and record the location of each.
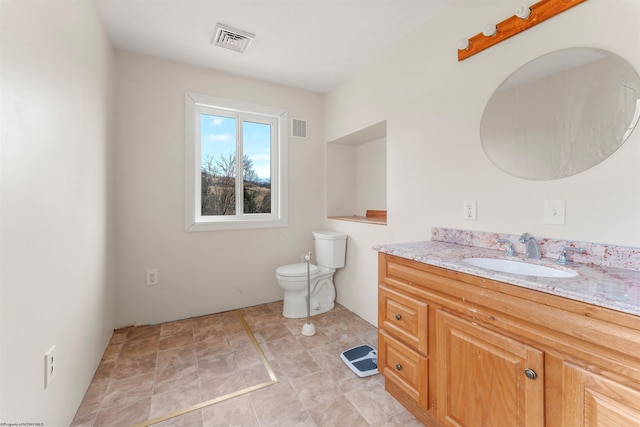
(554, 212)
(50, 366)
(152, 277)
(469, 212)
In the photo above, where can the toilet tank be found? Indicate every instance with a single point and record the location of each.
(331, 248)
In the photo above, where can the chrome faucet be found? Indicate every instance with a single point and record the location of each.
(510, 250)
(532, 251)
(563, 258)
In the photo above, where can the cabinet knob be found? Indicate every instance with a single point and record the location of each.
(398, 367)
(531, 374)
(398, 316)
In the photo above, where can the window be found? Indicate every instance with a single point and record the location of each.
(235, 163)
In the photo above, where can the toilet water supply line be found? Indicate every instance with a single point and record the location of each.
(308, 329)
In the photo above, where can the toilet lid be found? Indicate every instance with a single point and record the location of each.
(299, 269)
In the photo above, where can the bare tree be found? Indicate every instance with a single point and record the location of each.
(219, 187)
(249, 174)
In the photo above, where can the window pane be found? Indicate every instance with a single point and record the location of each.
(218, 157)
(256, 160)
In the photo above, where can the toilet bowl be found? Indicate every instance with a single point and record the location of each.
(330, 254)
(292, 278)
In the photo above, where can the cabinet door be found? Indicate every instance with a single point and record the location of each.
(590, 400)
(483, 378)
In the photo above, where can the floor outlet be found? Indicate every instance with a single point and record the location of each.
(50, 366)
(469, 211)
(152, 277)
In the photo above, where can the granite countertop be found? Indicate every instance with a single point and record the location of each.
(614, 288)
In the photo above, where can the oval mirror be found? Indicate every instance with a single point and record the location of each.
(561, 114)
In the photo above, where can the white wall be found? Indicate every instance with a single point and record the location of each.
(205, 272)
(341, 179)
(371, 176)
(433, 105)
(57, 211)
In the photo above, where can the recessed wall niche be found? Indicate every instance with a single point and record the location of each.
(357, 175)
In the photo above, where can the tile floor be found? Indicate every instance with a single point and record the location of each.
(147, 372)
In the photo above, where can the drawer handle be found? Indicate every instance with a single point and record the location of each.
(398, 316)
(398, 367)
(531, 374)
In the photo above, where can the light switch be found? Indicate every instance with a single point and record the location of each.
(554, 212)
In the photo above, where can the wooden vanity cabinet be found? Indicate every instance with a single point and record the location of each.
(460, 350)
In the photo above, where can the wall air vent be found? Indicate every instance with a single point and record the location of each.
(232, 38)
(299, 128)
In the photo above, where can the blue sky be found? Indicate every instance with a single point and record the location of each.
(218, 136)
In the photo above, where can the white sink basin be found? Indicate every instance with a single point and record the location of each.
(519, 267)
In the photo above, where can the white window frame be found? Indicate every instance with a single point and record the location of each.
(194, 221)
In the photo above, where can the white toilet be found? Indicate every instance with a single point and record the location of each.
(330, 252)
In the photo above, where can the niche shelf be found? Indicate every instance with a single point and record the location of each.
(371, 217)
(357, 176)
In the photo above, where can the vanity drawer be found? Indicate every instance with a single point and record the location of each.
(404, 317)
(404, 367)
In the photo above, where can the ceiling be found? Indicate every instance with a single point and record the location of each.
(308, 44)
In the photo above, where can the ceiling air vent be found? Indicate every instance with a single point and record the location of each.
(299, 128)
(232, 38)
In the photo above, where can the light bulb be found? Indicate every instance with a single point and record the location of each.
(490, 30)
(463, 44)
(523, 12)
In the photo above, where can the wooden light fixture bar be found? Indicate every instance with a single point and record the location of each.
(513, 25)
